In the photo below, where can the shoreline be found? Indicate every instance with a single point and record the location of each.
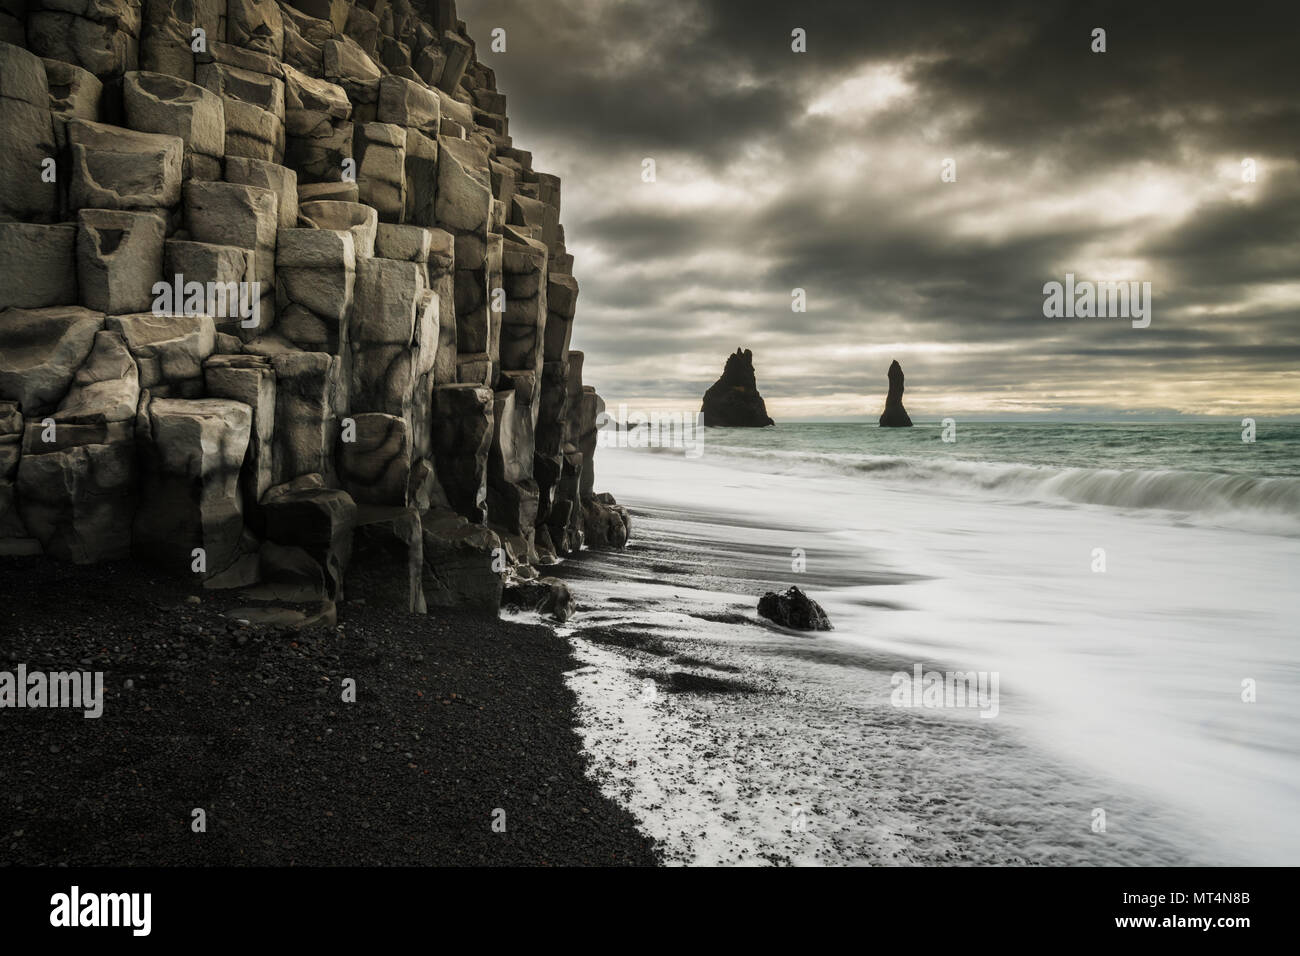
(666, 722)
(735, 742)
(455, 717)
(715, 727)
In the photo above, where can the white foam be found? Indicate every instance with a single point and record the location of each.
(1132, 676)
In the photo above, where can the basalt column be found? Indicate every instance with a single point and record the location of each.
(275, 284)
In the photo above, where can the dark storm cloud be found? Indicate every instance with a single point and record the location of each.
(1227, 244)
(706, 74)
(820, 171)
(644, 236)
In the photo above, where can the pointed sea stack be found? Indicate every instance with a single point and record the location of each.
(733, 400)
(895, 415)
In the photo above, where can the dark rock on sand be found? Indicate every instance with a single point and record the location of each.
(733, 400)
(606, 523)
(895, 415)
(549, 597)
(794, 609)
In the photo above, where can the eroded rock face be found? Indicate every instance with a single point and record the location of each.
(169, 105)
(249, 379)
(375, 465)
(306, 384)
(460, 563)
(462, 440)
(733, 400)
(895, 415)
(25, 116)
(38, 263)
(169, 350)
(119, 258)
(316, 280)
(107, 386)
(347, 169)
(13, 533)
(40, 352)
(193, 452)
(102, 37)
(112, 168)
(319, 520)
(78, 501)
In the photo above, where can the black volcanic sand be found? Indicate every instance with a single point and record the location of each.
(455, 717)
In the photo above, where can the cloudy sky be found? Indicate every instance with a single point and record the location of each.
(778, 170)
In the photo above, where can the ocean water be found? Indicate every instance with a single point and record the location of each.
(1133, 586)
(1205, 471)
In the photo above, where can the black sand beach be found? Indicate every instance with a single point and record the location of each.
(455, 717)
(738, 742)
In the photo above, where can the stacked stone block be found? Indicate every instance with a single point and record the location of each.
(403, 365)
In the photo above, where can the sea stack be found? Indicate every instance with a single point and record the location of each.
(733, 400)
(895, 415)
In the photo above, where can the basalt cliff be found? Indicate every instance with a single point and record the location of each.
(275, 282)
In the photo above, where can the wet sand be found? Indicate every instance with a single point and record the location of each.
(736, 742)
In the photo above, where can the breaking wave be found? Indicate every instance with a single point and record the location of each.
(1218, 496)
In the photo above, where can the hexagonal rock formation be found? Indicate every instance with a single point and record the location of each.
(289, 286)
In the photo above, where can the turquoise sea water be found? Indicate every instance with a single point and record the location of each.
(1201, 469)
(1212, 448)
(1122, 683)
